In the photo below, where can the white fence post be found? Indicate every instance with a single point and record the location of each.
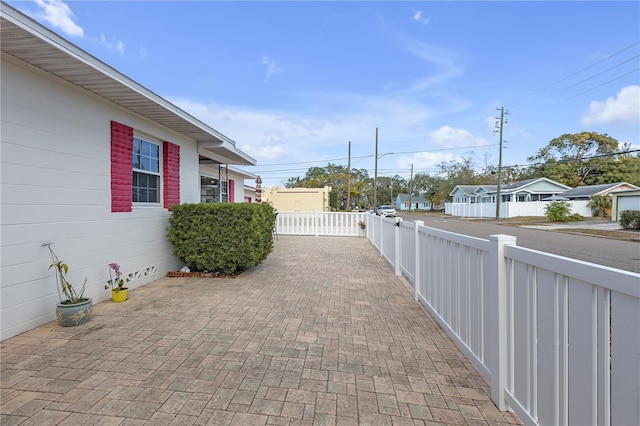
(315, 223)
(497, 318)
(416, 272)
(396, 231)
(379, 219)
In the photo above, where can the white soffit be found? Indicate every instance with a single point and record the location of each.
(30, 42)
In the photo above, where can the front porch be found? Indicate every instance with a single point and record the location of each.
(323, 332)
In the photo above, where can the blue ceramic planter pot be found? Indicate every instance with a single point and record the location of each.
(70, 315)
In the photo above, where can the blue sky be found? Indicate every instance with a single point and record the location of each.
(292, 82)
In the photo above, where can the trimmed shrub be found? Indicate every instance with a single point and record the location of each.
(558, 211)
(576, 217)
(630, 219)
(226, 237)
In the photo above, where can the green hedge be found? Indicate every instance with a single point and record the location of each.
(227, 237)
(630, 219)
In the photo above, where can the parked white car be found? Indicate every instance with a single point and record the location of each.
(386, 211)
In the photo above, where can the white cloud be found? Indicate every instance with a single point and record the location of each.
(624, 108)
(267, 152)
(450, 137)
(112, 43)
(445, 136)
(442, 61)
(272, 68)
(425, 161)
(419, 17)
(58, 14)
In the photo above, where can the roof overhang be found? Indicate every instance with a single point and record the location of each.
(30, 42)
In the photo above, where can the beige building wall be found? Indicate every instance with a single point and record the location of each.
(297, 199)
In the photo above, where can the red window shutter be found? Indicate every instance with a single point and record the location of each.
(230, 189)
(121, 167)
(171, 174)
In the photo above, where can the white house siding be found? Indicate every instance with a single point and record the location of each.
(238, 187)
(55, 186)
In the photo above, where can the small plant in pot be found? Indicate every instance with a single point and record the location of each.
(119, 292)
(363, 226)
(73, 309)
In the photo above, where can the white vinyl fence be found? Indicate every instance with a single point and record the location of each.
(511, 209)
(320, 223)
(557, 339)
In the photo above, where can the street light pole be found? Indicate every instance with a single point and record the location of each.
(375, 177)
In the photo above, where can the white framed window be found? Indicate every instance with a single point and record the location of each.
(146, 171)
(224, 192)
(213, 190)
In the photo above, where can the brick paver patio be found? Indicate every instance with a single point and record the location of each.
(321, 333)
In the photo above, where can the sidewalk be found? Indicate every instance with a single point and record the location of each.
(321, 333)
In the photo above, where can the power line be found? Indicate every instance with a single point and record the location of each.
(370, 156)
(582, 81)
(576, 73)
(570, 160)
(578, 94)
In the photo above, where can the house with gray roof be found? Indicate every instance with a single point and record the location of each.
(589, 191)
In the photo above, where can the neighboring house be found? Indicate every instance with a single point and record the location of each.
(468, 194)
(93, 162)
(624, 200)
(530, 190)
(589, 191)
(297, 199)
(524, 198)
(405, 203)
(249, 194)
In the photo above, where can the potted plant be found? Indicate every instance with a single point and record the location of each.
(363, 226)
(73, 309)
(119, 292)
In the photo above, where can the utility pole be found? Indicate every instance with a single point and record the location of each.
(499, 191)
(410, 188)
(349, 179)
(375, 178)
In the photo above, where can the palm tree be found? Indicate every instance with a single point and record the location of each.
(600, 205)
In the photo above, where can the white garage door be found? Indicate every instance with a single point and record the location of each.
(629, 203)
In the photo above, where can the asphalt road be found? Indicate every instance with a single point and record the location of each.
(603, 251)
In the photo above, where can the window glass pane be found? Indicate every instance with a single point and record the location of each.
(154, 151)
(146, 158)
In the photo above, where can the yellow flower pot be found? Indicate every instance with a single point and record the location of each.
(119, 296)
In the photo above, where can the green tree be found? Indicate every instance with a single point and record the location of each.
(586, 158)
(600, 205)
(463, 172)
(558, 211)
(333, 200)
(335, 176)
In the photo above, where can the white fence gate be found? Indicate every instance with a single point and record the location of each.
(320, 223)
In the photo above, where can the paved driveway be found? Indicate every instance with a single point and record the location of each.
(321, 333)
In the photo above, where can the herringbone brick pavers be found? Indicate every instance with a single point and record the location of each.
(321, 333)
